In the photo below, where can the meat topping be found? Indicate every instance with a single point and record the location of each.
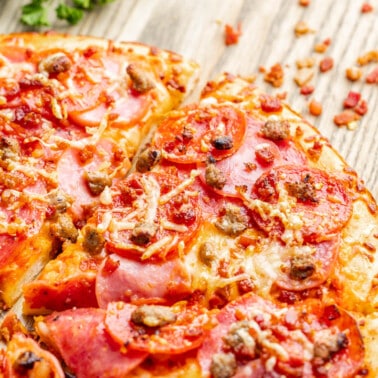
(206, 253)
(301, 267)
(93, 241)
(60, 201)
(9, 149)
(303, 191)
(64, 229)
(223, 142)
(55, 64)
(276, 129)
(214, 177)
(240, 341)
(140, 81)
(233, 222)
(223, 365)
(97, 181)
(329, 345)
(147, 159)
(153, 316)
(143, 233)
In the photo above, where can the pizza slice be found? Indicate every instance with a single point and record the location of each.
(73, 112)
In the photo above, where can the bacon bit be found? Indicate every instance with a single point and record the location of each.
(307, 89)
(353, 73)
(270, 104)
(305, 63)
(352, 99)
(361, 108)
(372, 77)
(275, 76)
(303, 76)
(249, 167)
(326, 64)
(301, 28)
(299, 132)
(366, 8)
(369, 57)
(315, 108)
(345, 118)
(231, 35)
(264, 154)
(262, 69)
(322, 46)
(304, 3)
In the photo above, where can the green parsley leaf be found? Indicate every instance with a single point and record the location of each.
(35, 14)
(84, 4)
(70, 14)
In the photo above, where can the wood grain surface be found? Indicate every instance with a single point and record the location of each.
(195, 28)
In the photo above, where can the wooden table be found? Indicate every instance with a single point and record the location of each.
(195, 28)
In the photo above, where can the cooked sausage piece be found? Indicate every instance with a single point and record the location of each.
(275, 129)
(147, 159)
(140, 81)
(153, 316)
(97, 181)
(223, 365)
(214, 177)
(93, 241)
(143, 233)
(233, 222)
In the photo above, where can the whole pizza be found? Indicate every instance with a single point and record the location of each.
(139, 238)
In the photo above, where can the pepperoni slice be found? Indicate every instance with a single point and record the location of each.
(256, 337)
(194, 133)
(182, 328)
(300, 202)
(150, 215)
(80, 337)
(141, 282)
(255, 156)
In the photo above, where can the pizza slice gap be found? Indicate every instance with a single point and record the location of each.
(73, 113)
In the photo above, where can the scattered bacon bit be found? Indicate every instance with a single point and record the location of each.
(231, 35)
(345, 118)
(262, 69)
(270, 104)
(315, 108)
(303, 76)
(352, 99)
(307, 89)
(275, 76)
(366, 8)
(304, 3)
(305, 63)
(322, 46)
(372, 77)
(326, 64)
(361, 108)
(316, 150)
(353, 73)
(301, 28)
(369, 57)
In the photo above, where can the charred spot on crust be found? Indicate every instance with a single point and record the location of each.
(97, 181)
(214, 177)
(223, 142)
(143, 233)
(153, 316)
(147, 159)
(25, 361)
(93, 241)
(301, 267)
(275, 130)
(223, 365)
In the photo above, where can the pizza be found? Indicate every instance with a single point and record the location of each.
(222, 238)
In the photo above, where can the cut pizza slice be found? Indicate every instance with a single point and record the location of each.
(73, 113)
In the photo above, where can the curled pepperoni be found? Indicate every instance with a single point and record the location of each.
(194, 133)
(301, 203)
